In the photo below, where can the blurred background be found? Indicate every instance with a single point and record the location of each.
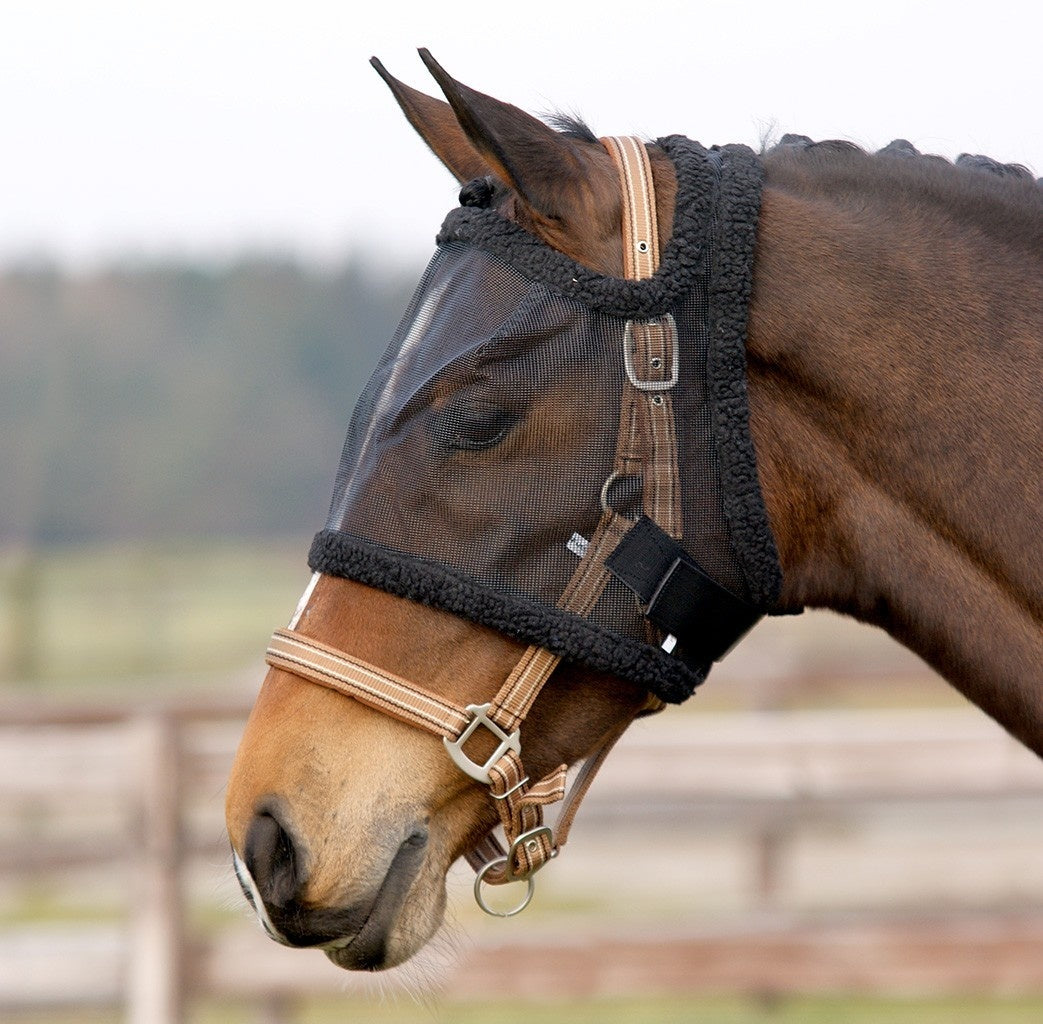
(211, 215)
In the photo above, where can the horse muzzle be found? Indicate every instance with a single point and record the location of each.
(359, 935)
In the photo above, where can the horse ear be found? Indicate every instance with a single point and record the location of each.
(437, 125)
(545, 168)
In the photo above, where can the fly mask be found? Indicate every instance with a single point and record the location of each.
(564, 457)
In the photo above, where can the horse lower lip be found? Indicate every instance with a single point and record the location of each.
(366, 950)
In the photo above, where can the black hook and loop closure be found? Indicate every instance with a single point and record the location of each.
(677, 596)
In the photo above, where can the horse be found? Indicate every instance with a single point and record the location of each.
(889, 388)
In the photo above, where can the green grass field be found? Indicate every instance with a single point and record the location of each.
(700, 1010)
(108, 619)
(93, 616)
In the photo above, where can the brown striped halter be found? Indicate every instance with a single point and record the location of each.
(646, 446)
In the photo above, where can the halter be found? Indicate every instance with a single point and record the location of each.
(645, 555)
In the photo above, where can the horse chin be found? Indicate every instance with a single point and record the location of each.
(374, 952)
(378, 947)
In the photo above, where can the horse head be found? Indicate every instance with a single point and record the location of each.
(344, 821)
(549, 505)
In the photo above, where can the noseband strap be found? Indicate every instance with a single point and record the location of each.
(291, 652)
(646, 448)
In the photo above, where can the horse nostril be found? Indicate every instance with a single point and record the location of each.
(273, 860)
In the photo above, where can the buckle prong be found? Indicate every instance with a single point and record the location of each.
(512, 790)
(480, 716)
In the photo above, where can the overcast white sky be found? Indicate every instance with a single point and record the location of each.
(210, 127)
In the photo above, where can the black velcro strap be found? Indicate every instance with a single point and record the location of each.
(677, 596)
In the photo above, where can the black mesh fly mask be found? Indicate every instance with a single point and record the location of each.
(480, 457)
(564, 457)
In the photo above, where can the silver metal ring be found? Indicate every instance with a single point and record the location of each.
(501, 862)
(609, 481)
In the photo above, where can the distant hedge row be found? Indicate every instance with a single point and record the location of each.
(177, 400)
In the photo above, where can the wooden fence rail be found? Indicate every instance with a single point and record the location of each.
(153, 767)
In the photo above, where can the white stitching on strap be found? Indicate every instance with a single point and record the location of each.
(367, 683)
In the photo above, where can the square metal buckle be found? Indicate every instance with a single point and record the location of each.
(628, 360)
(480, 772)
(531, 841)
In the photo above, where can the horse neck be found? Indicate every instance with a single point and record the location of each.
(895, 412)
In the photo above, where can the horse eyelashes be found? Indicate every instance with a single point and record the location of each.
(476, 428)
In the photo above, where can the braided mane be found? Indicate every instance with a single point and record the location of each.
(902, 149)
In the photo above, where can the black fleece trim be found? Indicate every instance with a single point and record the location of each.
(731, 284)
(718, 192)
(683, 260)
(714, 233)
(560, 632)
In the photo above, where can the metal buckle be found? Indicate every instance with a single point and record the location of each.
(628, 359)
(530, 840)
(480, 772)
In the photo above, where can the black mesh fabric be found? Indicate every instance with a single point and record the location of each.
(476, 458)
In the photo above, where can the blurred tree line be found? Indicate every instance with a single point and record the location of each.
(180, 400)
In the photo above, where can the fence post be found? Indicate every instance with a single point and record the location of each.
(155, 961)
(770, 841)
(24, 590)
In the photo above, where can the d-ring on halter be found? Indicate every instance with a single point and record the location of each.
(646, 447)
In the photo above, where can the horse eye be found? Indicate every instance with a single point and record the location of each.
(477, 428)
